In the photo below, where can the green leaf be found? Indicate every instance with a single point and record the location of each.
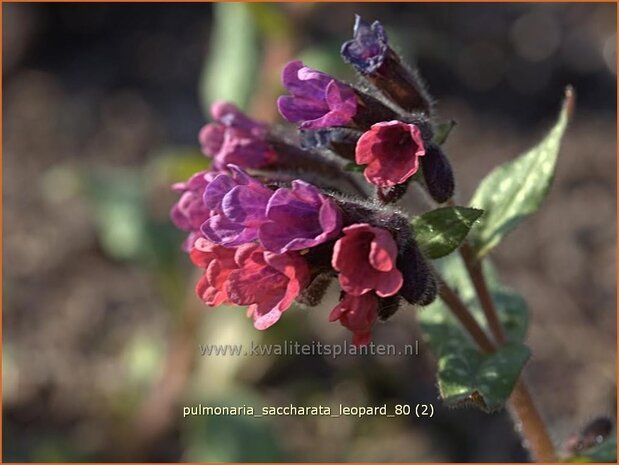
(230, 71)
(442, 131)
(440, 232)
(515, 190)
(604, 452)
(484, 380)
(118, 200)
(465, 375)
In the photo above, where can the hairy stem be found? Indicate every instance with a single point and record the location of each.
(462, 313)
(474, 269)
(532, 426)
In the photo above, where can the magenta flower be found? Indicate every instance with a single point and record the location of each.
(317, 100)
(299, 218)
(234, 138)
(366, 260)
(367, 50)
(358, 314)
(190, 211)
(267, 282)
(238, 208)
(391, 150)
(217, 263)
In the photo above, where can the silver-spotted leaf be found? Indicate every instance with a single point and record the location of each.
(515, 190)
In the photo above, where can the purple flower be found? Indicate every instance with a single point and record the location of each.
(317, 100)
(299, 218)
(234, 138)
(238, 204)
(366, 52)
(190, 211)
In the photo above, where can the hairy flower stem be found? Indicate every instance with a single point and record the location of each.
(476, 273)
(462, 313)
(474, 269)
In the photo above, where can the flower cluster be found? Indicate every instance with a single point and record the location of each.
(265, 239)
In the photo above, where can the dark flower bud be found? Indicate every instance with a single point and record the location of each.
(437, 174)
(419, 286)
(591, 435)
(369, 53)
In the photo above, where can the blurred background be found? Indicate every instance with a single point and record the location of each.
(102, 106)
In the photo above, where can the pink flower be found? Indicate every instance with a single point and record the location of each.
(234, 137)
(217, 262)
(358, 314)
(267, 282)
(391, 150)
(366, 259)
(190, 211)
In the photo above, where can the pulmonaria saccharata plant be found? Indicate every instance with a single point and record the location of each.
(285, 213)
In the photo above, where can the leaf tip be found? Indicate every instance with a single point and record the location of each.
(569, 101)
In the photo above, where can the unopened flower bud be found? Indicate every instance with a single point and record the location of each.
(369, 53)
(437, 173)
(419, 286)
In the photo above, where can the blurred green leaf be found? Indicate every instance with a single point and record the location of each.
(174, 164)
(439, 232)
(323, 58)
(142, 359)
(442, 131)
(132, 223)
(119, 211)
(484, 380)
(231, 69)
(604, 452)
(271, 20)
(516, 189)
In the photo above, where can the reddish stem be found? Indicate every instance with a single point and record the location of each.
(474, 269)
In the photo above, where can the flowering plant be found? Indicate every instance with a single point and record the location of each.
(279, 214)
